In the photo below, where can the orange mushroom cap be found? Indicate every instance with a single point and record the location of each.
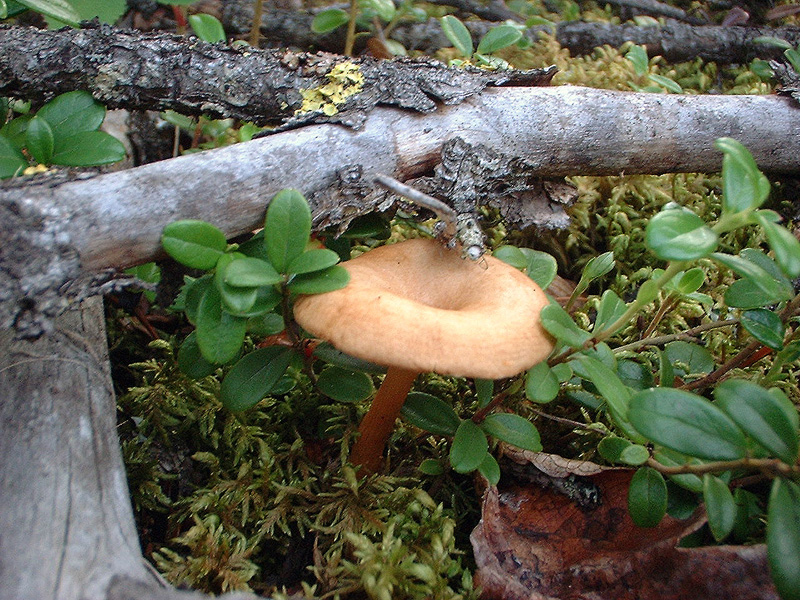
(421, 307)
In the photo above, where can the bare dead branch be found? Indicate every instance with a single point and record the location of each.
(54, 232)
(157, 71)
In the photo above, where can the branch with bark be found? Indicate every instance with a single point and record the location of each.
(55, 232)
(673, 40)
(157, 71)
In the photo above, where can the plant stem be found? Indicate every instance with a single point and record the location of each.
(255, 29)
(769, 466)
(378, 423)
(351, 29)
(665, 339)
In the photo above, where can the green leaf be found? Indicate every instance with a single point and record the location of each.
(615, 393)
(560, 325)
(484, 390)
(634, 374)
(720, 506)
(429, 413)
(12, 161)
(638, 56)
(327, 353)
(647, 497)
(686, 423)
(265, 324)
(458, 34)
(328, 20)
(783, 537)
(384, 9)
(313, 260)
(250, 272)
(39, 140)
(236, 300)
(514, 430)
(760, 415)
(71, 113)
(541, 267)
(688, 358)
(666, 82)
(688, 481)
(254, 376)
(765, 326)
(208, 28)
(612, 446)
(688, 282)
(191, 361)
(267, 298)
(785, 246)
(192, 292)
(511, 255)
(634, 455)
(666, 374)
(345, 385)
(744, 187)
(58, 9)
(648, 292)
(490, 469)
(88, 148)
(430, 466)
(763, 287)
(196, 244)
(469, 448)
(14, 131)
(676, 233)
(287, 228)
(594, 269)
(220, 335)
(108, 11)
(319, 282)
(541, 384)
(610, 309)
(498, 38)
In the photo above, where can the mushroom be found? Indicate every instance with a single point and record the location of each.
(417, 307)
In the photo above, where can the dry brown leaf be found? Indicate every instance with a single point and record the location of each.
(538, 544)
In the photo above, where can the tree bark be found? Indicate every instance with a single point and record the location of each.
(115, 220)
(673, 40)
(158, 71)
(679, 42)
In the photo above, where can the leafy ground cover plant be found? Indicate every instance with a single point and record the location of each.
(662, 403)
(64, 132)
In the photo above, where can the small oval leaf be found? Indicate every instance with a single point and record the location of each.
(196, 244)
(345, 385)
(430, 413)
(39, 140)
(514, 430)
(783, 537)
(647, 497)
(311, 261)
(458, 34)
(679, 234)
(328, 20)
(319, 282)
(720, 506)
(287, 228)
(254, 376)
(469, 448)
(686, 423)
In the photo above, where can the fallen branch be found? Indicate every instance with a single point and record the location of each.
(678, 41)
(55, 232)
(673, 40)
(158, 71)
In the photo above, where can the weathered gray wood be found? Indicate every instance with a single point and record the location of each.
(66, 525)
(115, 220)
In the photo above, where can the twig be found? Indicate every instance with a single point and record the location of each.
(770, 466)
(255, 30)
(653, 7)
(665, 339)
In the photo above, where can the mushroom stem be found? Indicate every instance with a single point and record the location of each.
(378, 423)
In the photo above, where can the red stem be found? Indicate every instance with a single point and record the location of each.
(378, 423)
